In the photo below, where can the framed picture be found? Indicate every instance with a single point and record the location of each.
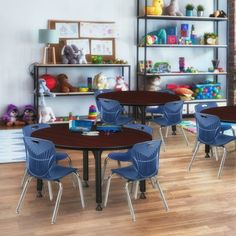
(67, 29)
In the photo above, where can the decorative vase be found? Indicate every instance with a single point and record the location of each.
(200, 13)
(189, 12)
(215, 64)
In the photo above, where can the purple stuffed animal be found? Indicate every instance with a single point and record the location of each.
(29, 114)
(11, 116)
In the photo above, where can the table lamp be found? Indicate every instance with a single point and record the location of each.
(48, 36)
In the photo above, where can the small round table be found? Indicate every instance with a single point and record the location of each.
(225, 113)
(62, 137)
(140, 99)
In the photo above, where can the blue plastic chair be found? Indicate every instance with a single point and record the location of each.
(42, 165)
(209, 133)
(158, 109)
(124, 156)
(201, 106)
(96, 93)
(172, 115)
(111, 112)
(27, 131)
(224, 127)
(145, 165)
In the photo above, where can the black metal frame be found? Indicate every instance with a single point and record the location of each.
(214, 20)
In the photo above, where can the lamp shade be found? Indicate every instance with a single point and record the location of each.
(48, 36)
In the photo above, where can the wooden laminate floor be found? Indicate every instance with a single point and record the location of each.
(200, 204)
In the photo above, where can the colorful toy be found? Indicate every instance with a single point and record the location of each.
(162, 36)
(96, 59)
(184, 93)
(193, 35)
(92, 115)
(155, 8)
(207, 91)
(172, 30)
(51, 81)
(161, 67)
(29, 114)
(171, 39)
(181, 64)
(191, 70)
(11, 116)
(100, 81)
(121, 85)
(173, 9)
(184, 32)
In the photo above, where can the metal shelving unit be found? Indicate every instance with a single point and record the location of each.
(144, 19)
(39, 69)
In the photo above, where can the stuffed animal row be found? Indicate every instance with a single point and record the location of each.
(13, 117)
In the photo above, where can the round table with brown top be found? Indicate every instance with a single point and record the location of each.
(62, 137)
(225, 113)
(140, 99)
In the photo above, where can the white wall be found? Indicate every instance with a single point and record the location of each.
(19, 24)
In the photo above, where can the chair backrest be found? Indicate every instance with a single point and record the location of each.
(144, 128)
(173, 112)
(201, 106)
(40, 156)
(96, 93)
(110, 110)
(29, 129)
(208, 127)
(145, 158)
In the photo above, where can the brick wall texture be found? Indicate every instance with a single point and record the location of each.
(232, 52)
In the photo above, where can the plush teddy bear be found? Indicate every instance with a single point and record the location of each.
(100, 82)
(173, 9)
(64, 85)
(121, 85)
(70, 54)
(11, 116)
(29, 114)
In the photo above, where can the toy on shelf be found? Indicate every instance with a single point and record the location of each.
(64, 85)
(153, 84)
(184, 93)
(184, 32)
(161, 67)
(11, 116)
(96, 59)
(162, 37)
(82, 57)
(45, 113)
(173, 9)
(181, 64)
(193, 35)
(207, 91)
(92, 115)
(149, 66)
(121, 85)
(191, 69)
(51, 81)
(210, 38)
(155, 8)
(218, 13)
(29, 114)
(100, 81)
(70, 54)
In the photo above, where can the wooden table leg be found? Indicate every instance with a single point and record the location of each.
(97, 155)
(85, 168)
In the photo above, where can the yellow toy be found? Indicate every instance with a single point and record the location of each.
(158, 5)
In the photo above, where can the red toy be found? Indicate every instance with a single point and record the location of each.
(121, 85)
(51, 81)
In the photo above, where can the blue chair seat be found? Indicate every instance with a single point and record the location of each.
(61, 156)
(130, 173)
(222, 139)
(119, 156)
(162, 121)
(57, 172)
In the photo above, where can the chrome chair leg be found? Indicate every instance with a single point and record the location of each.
(222, 162)
(185, 137)
(194, 145)
(80, 188)
(23, 178)
(50, 190)
(136, 190)
(107, 190)
(131, 209)
(194, 156)
(167, 131)
(22, 196)
(216, 153)
(161, 193)
(162, 138)
(57, 204)
(104, 169)
(70, 165)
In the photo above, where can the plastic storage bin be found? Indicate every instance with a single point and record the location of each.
(207, 91)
